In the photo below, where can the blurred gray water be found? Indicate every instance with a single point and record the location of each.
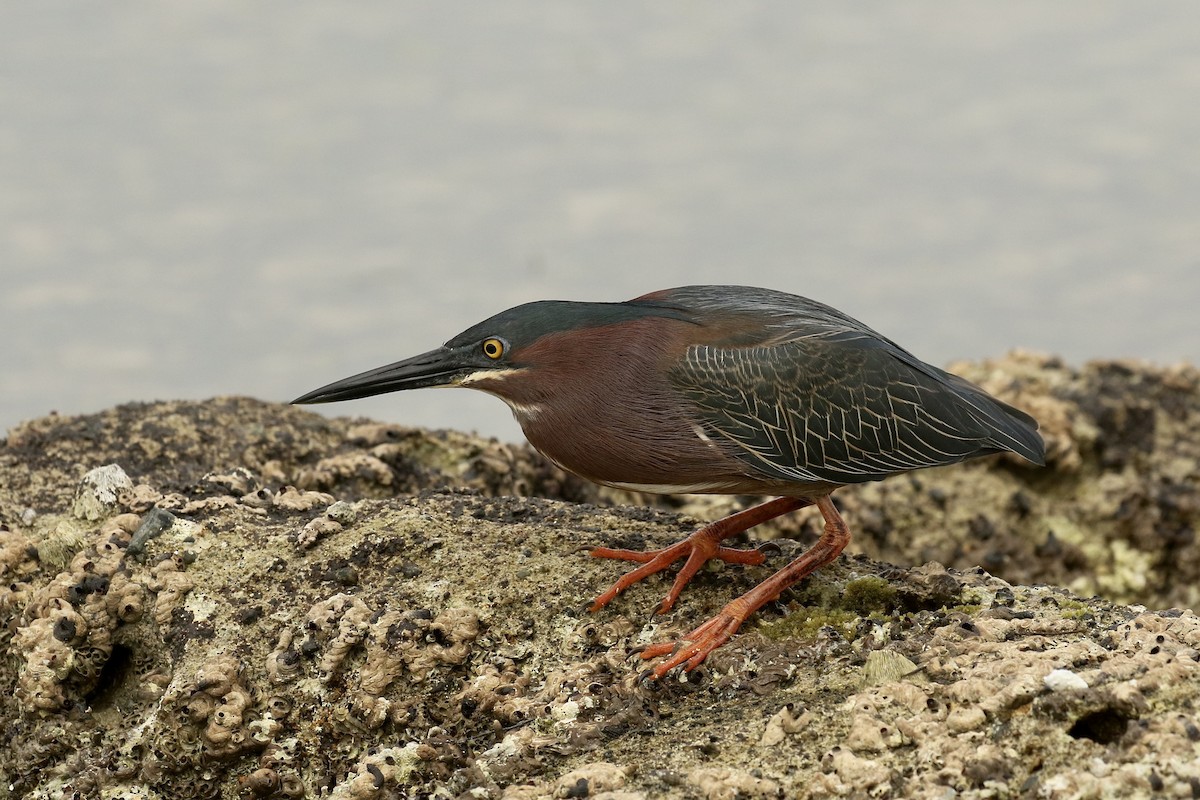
(202, 199)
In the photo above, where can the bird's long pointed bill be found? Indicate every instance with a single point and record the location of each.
(436, 368)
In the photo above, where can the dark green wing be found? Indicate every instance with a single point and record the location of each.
(844, 406)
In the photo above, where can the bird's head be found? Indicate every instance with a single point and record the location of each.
(504, 354)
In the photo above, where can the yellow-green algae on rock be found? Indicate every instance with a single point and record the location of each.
(278, 605)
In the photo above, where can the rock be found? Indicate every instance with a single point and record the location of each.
(99, 490)
(402, 624)
(1063, 680)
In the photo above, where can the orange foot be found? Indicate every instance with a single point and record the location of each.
(692, 649)
(700, 547)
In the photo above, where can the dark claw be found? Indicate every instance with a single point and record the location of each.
(769, 548)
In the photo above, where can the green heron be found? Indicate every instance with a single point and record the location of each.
(715, 389)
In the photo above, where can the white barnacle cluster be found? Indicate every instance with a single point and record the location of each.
(609, 640)
(210, 717)
(277, 775)
(66, 626)
(219, 704)
(292, 499)
(968, 686)
(237, 488)
(502, 693)
(19, 563)
(380, 774)
(170, 584)
(336, 516)
(377, 647)
(96, 578)
(334, 470)
(570, 711)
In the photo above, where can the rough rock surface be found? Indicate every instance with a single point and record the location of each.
(238, 599)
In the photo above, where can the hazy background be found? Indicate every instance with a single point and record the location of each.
(216, 198)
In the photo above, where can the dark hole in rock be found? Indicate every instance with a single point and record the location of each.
(112, 675)
(1104, 726)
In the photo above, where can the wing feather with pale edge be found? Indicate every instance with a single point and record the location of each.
(843, 406)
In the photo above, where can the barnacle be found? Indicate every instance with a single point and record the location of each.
(377, 773)
(447, 640)
(500, 694)
(315, 529)
(342, 512)
(140, 498)
(171, 585)
(237, 481)
(293, 499)
(125, 599)
(385, 656)
(291, 786)
(330, 471)
(18, 562)
(283, 663)
(278, 706)
(351, 616)
(260, 783)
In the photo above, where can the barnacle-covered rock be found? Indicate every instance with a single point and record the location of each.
(329, 472)
(211, 718)
(413, 643)
(64, 634)
(451, 622)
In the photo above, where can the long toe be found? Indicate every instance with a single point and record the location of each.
(699, 548)
(702, 546)
(654, 561)
(691, 650)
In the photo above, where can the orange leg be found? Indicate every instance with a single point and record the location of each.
(699, 548)
(692, 649)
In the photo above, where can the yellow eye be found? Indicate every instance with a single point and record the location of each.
(493, 348)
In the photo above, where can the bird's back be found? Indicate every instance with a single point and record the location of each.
(799, 391)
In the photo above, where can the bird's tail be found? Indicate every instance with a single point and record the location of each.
(1011, 428)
